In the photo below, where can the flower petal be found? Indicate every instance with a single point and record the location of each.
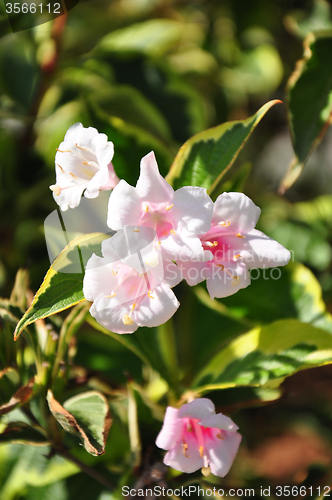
(151, 185)
(221, 453)
(157, 310)
(194, 207)
(199, 408)
(171, 431)
(109, 312)
(263, 251)
(238, 209)
(226, 281)
(185, 459)
(69, 197)
(124, 207)
(219, 421)
(172, 273)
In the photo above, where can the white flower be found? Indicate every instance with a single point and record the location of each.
(82, 162)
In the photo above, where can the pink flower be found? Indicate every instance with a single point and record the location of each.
(82, 162)
(125, 293)
(236, 247)
(198, 438)
(177, 217)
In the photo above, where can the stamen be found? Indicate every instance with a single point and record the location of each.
(169, 207)
(239, 235)
(112, 295)
(136, 230)
(158, 244)
(238, 256)
(146, 208)
(185, 447)
(219, 436)
(201, 451)
(189, 428)
(90, 163)
(127, 320)
(60, 168)
(149, 294)
(56, 189)
(206, 471)
(133, 307)
(114, 272)
(236, 281)
(222, 267)
(173, 232)
(64, 151)
(73, 175)
(225, 224)
(210, 244)
(84, 148)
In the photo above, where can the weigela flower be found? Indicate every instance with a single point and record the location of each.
(198, 438)
(178, 217)
(82, 163)
(236, 247)
(127, 292)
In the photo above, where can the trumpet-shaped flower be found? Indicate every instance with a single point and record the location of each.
(82, 162)
(178, 217)
(130, 290)
(235, 246)
(198, 438)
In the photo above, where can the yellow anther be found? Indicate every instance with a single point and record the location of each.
(133, 307)
(210, 244)
(236, 281)
(169, 207)
(239, 235)
(219, 436)
(56, 189)
(201, 451)
(86, 163)
(112, 295)
(185, 447)
(114, 272)
(127, 320)
(136, 230)
(60, 168)
(146, 208)
(158, 244)
(206, 471)
(225, 224)
(73, 175)
(222, 267)
(149, 294)
(64, 151)
(173, 232)
(238, 256)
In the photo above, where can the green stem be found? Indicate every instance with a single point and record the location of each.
(168, 349)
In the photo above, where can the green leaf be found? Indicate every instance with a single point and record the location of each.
(290, 292)
(153, 37)
(206, 157)
(309, 102)
(21, 433)
(61, 289)
(266, 355)
(87, 416)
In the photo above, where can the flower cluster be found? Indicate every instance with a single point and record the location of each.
(198, 438)
(163, 236)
